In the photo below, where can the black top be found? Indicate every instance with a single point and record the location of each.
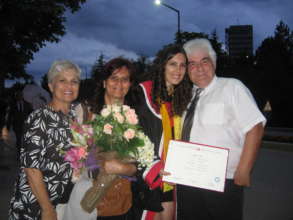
(149, 121)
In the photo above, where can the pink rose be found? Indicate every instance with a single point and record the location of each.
(74, 155)
(131, 117)
(87, 129)
(82, 153)
(119, 117)
(129, 134)
(108, 128)
(76, 127)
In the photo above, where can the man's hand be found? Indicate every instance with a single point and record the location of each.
(242, 177)
(248, 155)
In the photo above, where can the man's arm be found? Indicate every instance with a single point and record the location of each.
(250, 150)
(35, 179)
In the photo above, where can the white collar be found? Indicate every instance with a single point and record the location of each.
(206, 89)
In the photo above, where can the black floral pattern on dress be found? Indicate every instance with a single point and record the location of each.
(47, 132)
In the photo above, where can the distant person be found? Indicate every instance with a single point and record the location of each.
(18, 112)
(35, 95)
(4, 132)
(44, 180)
(226, 115)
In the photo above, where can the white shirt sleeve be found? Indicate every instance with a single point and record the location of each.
(246, 110)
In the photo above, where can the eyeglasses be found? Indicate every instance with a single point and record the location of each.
(115, 79)
(203, 63)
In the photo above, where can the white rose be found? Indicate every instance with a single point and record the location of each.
(125, 108)
(116, 108)
(105, 112)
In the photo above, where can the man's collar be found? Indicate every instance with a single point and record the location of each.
(208, 88)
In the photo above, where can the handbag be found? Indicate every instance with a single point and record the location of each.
(117, 200)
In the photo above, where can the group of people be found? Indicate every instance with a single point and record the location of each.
(183, 83)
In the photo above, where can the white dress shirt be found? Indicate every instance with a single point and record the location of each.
(225, 112)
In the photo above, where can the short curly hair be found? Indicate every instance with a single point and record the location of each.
(62, 65)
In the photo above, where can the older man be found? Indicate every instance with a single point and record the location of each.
(225, 115)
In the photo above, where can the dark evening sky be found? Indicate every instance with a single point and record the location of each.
(139, 27)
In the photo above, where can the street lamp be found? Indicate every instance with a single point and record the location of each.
(159, 2)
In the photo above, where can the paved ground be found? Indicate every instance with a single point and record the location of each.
(8, 170)
(269, 198)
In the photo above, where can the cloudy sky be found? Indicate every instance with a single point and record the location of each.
(139, 27)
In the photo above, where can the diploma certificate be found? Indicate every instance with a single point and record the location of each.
(196, 165)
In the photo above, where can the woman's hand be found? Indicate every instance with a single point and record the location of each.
(49, 214)
(118, 167)
(5, 134)
(164, 173)
(112, 166)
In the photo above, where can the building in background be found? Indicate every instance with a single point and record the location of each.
(239, 40)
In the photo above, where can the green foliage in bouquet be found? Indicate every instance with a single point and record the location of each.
(116, 129)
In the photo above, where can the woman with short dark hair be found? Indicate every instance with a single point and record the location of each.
(114, 86)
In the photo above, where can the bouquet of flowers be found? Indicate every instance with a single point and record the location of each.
(114, 133)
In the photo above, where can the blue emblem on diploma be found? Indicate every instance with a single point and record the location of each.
(217, 179)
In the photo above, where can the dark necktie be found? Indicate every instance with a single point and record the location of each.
(188, 121)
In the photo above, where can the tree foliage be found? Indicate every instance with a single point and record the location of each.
(274, 59)
(98, 66)
(25, 27)
(142, 66)
(214, 39)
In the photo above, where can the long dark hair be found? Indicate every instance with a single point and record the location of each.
(98, 101)
(182, 91)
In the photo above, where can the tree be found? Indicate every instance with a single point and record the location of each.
(142, 65)
(186, 36)
(217, 45)
(98, 67)
(274, 61)
(214, 39)
(44, 83)
(25, 27)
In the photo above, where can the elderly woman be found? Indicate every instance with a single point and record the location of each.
(44, 180)
(114, 86)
